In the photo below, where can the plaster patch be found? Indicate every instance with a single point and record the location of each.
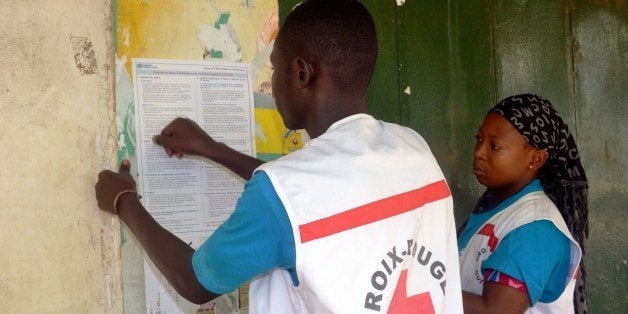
(84, 55)
(407, 90)
(400, 2)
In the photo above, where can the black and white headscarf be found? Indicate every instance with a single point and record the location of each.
(562, 177)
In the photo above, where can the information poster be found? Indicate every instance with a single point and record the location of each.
(190, 197)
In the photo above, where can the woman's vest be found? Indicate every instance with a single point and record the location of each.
(530, 207)
(373, 225)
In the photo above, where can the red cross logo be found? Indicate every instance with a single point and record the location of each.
(489, 231)
(402, 303)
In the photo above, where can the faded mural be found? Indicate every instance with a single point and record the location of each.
(226, 30)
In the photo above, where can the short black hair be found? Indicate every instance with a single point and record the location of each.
(338, 33)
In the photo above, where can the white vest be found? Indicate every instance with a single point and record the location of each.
(531, 207)
(370, 209)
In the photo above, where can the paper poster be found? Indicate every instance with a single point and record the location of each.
(190, 197)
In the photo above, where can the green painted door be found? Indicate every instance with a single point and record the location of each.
(442, 64)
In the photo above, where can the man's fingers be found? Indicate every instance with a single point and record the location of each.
(169, 151)
(103, 174)
(163, 138)
(163, 141)
(125, 167)
(168, 130)
(160, 139)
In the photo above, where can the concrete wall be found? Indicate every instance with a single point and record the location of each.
(58, 252)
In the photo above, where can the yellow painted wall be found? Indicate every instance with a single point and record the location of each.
(58, 252)
(189, 30)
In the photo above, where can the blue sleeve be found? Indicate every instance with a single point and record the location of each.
(256, 238)
(536, 253)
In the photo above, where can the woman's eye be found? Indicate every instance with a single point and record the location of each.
(478, 139)
(495, 147)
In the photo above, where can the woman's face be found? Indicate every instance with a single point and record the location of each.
(502, 157)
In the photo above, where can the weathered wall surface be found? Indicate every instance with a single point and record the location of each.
(215, 30)
(58, 252)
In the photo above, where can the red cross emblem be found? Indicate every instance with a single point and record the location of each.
(489, 231)
(402, 303)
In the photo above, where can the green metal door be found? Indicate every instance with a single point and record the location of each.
(442, 64)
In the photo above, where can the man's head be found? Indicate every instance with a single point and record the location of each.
(339, 35)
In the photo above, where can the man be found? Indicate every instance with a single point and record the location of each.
(359, 220)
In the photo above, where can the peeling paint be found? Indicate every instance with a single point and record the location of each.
(407, 90)
(84, 55)
(127, 36)
(400, 2)
(259, 132)
(221, 41)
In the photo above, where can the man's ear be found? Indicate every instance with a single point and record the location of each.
(539, 157)
(305, 72)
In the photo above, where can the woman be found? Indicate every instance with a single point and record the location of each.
(517, 249)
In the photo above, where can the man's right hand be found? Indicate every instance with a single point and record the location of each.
(184, 137)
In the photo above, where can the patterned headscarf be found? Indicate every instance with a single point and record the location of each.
(562, 176)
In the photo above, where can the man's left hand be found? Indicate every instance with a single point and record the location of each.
(110, 184)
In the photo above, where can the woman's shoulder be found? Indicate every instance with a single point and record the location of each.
(531, 207)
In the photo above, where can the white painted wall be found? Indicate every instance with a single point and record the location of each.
(58, 252)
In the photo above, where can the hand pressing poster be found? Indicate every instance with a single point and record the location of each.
(190, 197)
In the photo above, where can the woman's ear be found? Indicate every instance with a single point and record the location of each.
(539, 157)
